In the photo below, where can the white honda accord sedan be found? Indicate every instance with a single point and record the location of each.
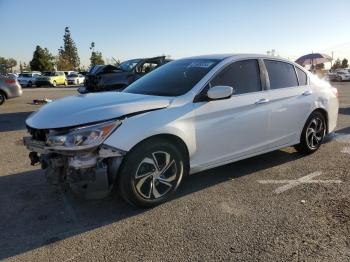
(187, 116)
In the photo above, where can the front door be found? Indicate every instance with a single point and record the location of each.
(235, 127)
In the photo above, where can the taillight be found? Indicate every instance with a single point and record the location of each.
(335, 91)
(10, 81)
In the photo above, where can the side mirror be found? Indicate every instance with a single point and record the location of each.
(220, 92)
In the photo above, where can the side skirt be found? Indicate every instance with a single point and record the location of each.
(196, 169)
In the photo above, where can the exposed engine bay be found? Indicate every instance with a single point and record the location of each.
(90, 172)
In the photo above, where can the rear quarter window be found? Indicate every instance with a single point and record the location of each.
(301, 76)
(281, 74)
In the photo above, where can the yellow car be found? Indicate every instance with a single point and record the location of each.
(52, 79)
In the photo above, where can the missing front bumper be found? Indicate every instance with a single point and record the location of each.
(90, 173)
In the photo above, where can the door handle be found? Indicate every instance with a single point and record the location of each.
(307, 93)
(262, 101)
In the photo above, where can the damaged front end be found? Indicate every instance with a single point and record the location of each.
(76, 157)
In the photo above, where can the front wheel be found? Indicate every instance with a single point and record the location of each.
(54, 84)
(313, 134)
(151, 173)
(2, 98)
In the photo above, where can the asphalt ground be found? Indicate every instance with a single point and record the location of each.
(279, 206)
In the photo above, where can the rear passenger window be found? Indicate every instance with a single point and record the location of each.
(301, 76)
(242, 76)
(281, 74)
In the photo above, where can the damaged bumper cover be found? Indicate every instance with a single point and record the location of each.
(41, 148)
(89, 172)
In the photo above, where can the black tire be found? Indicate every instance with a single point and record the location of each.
(313, 133)
(141, 182)
(2, 98)
(339, 79)
(54, 84)
(29, 84)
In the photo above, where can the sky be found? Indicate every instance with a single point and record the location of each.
(145, 28)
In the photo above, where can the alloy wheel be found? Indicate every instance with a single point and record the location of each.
(156, 175)
(2, 98)
(315, 132)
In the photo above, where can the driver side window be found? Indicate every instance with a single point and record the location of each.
(242, 76)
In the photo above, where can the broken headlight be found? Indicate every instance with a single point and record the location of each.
(84, 137)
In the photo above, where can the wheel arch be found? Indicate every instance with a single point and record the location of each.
(4, 93)
(175, 140)
(325, 114)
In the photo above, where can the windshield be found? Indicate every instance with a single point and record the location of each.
(173, 79)
(73, 75)
(94, 69)
(129, 65)
(25, 75)
(48, 73)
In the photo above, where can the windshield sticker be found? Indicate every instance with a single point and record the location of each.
(200, 64)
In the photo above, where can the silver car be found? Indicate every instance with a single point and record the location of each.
(9, 88)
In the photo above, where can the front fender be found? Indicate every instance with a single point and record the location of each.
(177, 121)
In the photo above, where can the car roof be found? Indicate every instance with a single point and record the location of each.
(237, 56)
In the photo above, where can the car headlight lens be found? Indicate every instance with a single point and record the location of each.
(82, 137)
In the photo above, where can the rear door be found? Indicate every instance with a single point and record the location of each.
(290, 102)
(232, 128)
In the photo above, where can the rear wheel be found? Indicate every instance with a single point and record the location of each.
(151, 173)
(313, 134)
(2, 98)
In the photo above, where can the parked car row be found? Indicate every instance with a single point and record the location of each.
(9, 88)
(339, 75)
(109, 77)
(50, 78)
(99, 78)
(27, 79)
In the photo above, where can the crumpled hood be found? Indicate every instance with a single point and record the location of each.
(94, 107)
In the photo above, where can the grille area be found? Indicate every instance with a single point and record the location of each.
(38, 134)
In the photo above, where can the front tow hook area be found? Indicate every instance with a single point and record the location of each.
(34, 158)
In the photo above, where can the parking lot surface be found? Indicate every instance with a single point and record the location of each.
(280, 206)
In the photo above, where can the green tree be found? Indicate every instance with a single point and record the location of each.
(6, 64)
(11, 63)
(337, 64)
(344, 63)
(68, 58)
(42, 60)
(2, 65)
(96, 56)
(26, 67)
